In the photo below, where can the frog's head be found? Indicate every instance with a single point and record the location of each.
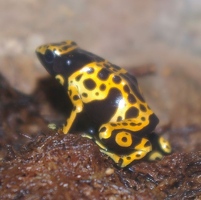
(62, 58)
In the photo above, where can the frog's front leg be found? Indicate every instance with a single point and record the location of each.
(122, 144)
(77, 107)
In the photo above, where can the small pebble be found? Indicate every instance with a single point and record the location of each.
(109, 171)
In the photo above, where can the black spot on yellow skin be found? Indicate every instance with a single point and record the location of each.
(124, 139)
(78, 77)
(131, 99)
(84, 94)
(103, 74)
(132, 124)
(147, 144)
(75, 97)
(102, 87)
(103, 129)
(107, 103)
(65, 48)
(89, 84)
(142, 108)
(132, 112)
(126, 89)
(116, 79)
(113, 124)
(119, 118)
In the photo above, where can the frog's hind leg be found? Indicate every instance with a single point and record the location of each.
(123, 160)
(122, 145)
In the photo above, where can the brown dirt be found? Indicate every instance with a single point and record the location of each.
(37, 163)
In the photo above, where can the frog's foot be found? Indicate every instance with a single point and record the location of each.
(125, 160)
(85, 135)
(121, 161)
(52, 126)
(154, 155)
(164, 145)
(139, 151)
(161, 147)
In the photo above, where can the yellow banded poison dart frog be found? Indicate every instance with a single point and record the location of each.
(107, 104)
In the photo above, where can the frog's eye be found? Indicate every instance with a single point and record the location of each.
(49, 56)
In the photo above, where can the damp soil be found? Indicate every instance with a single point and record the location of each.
(37, 162)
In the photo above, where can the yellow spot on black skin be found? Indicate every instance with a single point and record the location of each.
(60, 79)
(123, 139)
(93, 82)
(58, 48)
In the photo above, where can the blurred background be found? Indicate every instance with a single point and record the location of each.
(132, 33)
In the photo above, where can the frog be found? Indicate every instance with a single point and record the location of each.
(108, 105)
